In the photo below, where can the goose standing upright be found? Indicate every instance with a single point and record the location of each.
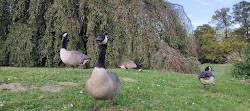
(71, 58)
(102, 84)
(206, 77)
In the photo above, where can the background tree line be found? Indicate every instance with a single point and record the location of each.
(215, 44)
(136, 30)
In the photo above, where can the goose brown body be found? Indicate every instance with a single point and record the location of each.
(127, 65)
(72, 58)
(206, 78)
(103, 85)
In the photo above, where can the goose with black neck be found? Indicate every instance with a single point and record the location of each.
(71, 58)
(102, 84)
(206, 77)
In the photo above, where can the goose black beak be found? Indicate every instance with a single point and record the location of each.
(99, 39)
(60, 33)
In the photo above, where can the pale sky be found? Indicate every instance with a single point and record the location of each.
(201, 11)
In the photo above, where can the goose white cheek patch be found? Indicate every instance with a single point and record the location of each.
(105, 40)
(85, 61)
(64, 34)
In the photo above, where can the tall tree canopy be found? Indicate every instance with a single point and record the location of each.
(241, 12)
(199, 36)
(223, 19)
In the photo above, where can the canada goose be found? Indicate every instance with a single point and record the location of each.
(71, 58)
(102, 84)
(129, 65)
(206, 77)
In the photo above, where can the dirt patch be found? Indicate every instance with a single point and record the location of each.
(171, 83)
(136, 74)
(68, 83)
(54, 88)
(16, 87)
(128, 79)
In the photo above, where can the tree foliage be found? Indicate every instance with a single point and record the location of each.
(211, 48)
(135, 30)
(214, 48)
(241, 12)
(5, 21)
(214, 44)
(199, 35)
(222, 19)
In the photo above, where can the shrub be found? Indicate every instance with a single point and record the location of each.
(236, 55)
(242, 68)
(170, 59)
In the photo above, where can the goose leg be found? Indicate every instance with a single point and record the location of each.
(111, 104)
(73, 70)
(129, 69)
(81, 69)
(95, 107)
(214, 88)
(204, 86)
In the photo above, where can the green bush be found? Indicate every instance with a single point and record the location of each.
(242, 68)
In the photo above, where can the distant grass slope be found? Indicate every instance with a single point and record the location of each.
(153, 90)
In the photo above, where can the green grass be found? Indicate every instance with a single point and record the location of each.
(166, 91)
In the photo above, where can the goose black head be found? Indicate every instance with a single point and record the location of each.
(102, 38)
(208, 68)
(64, 34)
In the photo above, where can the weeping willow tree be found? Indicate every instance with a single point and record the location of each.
(20, 45)
(32, 39)
(135, 28)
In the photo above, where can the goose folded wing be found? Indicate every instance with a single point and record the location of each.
(113, 76)
(206, 74)
(75, 56)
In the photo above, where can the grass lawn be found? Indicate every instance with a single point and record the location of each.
(140, 91)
